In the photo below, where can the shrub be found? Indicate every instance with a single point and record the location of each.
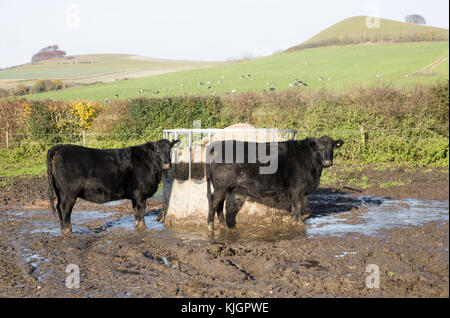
(21, 90)
(53, 122)
(85, 113)
(148, 117)
(13, 117)
(4, 92)
(408, 125)
(402, 125)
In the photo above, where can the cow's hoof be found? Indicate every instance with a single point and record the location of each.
(139, 225)
(299, 220)
(305, 216)
(66, 230)
(223, 223)
(210, 228)
(161, 218)
(223, 226)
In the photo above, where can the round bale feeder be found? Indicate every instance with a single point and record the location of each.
(185, 201)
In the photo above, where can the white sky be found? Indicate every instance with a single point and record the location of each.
(182, 29)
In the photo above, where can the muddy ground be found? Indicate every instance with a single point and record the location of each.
(116, 261)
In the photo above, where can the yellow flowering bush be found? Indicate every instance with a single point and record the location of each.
(26, 110)
(85, 113)
(52, 121)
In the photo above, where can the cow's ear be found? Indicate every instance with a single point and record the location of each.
(313, 144)
(151, 145)
(338, 143)
(173, 143)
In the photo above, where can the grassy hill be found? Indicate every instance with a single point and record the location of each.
(339, 67)
(354, 30)
(94, 68)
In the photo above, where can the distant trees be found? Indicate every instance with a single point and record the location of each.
(43, 85)
(47, 52)
(415, 18)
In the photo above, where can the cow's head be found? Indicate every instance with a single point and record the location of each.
(324, 148)
(162, 150)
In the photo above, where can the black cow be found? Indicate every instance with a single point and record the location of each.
(103, 175)
(299, 167)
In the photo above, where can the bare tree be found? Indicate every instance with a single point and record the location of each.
(415, 18)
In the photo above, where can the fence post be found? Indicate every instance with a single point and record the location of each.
(364, 136)
(176, 157)
(190, 154)
(84, 137)
(7, 140)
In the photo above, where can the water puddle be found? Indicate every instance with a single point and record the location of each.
(334, 214)
(34, 260)
(345, 253)
(272, 233)
(79, 219)
(86, 222)
(114, 203)
(127, 223)
(376, 214)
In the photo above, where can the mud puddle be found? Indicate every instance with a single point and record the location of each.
(83, 222)
(106, 239)
(334, 214)
(369, 215)
(337, 214)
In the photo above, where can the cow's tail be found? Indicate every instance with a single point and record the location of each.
(52, 189)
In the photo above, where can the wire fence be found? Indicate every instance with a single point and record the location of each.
(362, 135)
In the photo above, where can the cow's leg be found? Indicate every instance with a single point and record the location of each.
(210, 213)
(139, 210)
(220, 214)
(64, 206)
(297, 202)
(305, 212)
(216, 206)
(58, 208)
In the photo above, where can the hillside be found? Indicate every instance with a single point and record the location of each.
(354, 30)
(95, 67)
(337, 67)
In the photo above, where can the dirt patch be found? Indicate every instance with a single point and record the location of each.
(413, 261)
(393, 182)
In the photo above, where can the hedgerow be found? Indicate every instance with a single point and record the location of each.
(378, 124)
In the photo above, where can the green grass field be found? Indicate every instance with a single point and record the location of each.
(443, 67)
(95, 67)
(340, 67)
